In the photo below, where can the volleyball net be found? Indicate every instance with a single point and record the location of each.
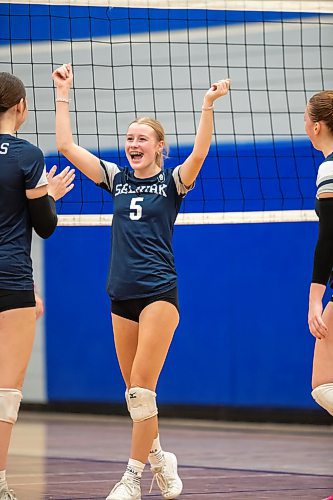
(158, 58)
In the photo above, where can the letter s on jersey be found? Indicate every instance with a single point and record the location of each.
(4, 148)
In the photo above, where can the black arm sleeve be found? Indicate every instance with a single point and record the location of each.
(323, 258)
(43, 215)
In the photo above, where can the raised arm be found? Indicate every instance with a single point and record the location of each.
(190, 169)
(85, 161)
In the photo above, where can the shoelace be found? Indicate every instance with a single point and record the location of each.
(162, 482)
(124, 482)
(9, 495)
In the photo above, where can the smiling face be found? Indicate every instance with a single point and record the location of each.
(142, 147)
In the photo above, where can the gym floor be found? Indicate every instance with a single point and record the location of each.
(78, 457)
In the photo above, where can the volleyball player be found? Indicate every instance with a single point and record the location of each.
(27, 200)
(143, 280)
(319, 128)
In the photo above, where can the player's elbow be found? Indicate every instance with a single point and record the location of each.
(64, 147)
(46, 230)
(43, 215)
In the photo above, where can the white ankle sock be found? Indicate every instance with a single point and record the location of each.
(156, 455)
(2, 476)
(134, 470)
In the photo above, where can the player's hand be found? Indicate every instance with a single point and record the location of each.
(39, 306)
(63, 77)
(216, 91)
(316, 324)
(59, 185)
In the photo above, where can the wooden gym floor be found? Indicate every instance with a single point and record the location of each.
(75, 457)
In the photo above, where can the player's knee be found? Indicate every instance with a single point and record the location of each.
(10, 400)
(127, 399)
(323, 395)
(141, 404)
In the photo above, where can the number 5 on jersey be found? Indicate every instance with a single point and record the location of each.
(136, 209)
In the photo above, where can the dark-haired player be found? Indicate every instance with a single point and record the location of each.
(27, 200)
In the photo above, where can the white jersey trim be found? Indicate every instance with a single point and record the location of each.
(181, 188)
(325, 175)
(43, 179)
(109, 172)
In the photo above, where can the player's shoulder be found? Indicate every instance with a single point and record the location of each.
(167, 173)
(108, 165)
(326, 166)
(174, 170)
(327, 160)
(110, 172)
(29, 151)
(324, 180)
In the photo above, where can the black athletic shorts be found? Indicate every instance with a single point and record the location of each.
(132, 308)
(16, 299)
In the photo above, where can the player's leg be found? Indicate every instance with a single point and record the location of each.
(17, 331)
(125, 333)
(140, 347)
(158, 322)
(322, 377)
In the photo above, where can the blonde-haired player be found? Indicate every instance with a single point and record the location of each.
(143, 280)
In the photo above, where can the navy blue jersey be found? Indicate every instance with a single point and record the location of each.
(145, 210)
(21, 167)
